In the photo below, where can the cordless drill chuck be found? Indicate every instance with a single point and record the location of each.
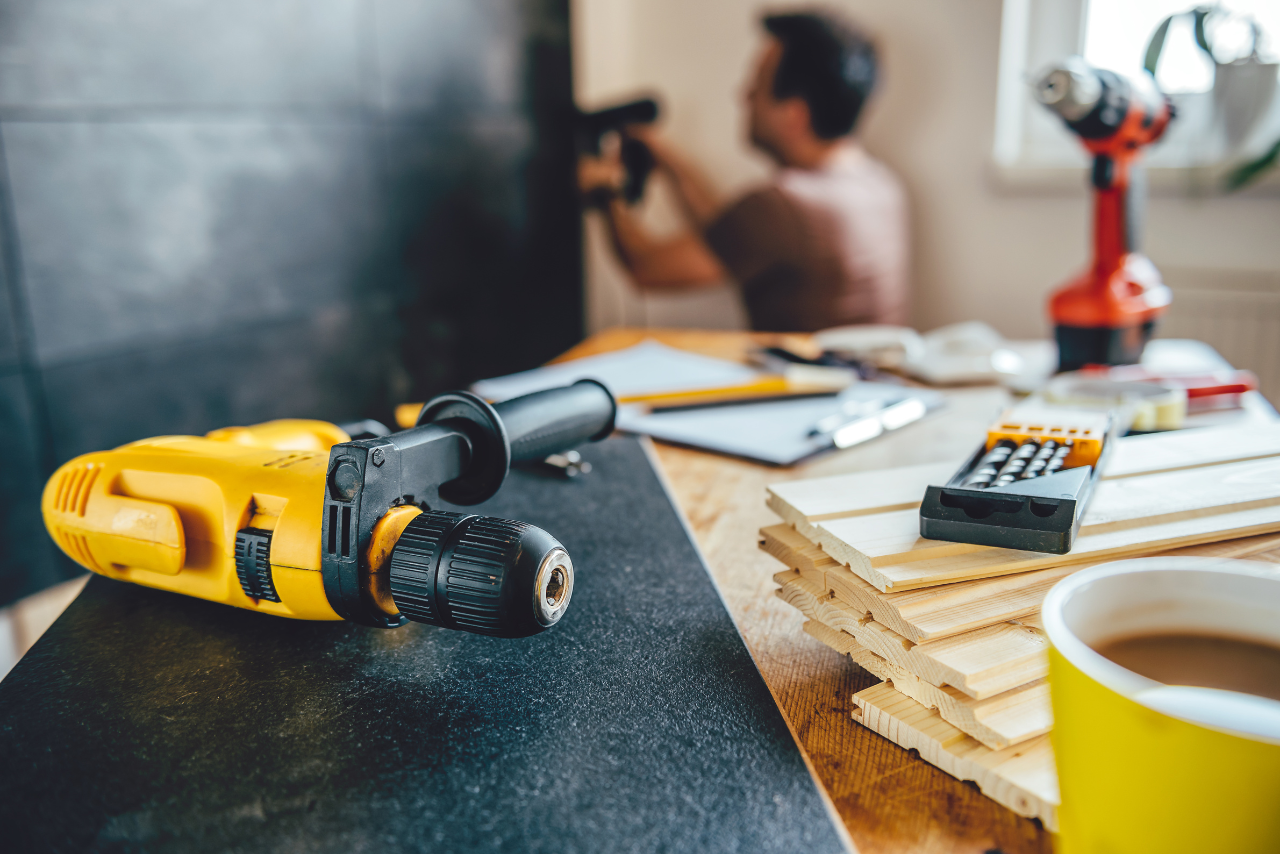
(293, 518)
(1072, 90)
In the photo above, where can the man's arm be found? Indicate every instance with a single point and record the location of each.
(682, 262)
(694, 191)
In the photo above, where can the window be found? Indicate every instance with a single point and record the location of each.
(1032, 146)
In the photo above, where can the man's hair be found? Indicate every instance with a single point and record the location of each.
(828, 64)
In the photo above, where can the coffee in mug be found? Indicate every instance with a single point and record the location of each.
(1195, 660)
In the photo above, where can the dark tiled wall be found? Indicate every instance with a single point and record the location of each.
(218, 212)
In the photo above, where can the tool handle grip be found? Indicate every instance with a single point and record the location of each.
(555, 420)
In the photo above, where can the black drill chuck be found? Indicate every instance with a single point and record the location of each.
(480, 574)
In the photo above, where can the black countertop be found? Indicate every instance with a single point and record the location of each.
(144, 720)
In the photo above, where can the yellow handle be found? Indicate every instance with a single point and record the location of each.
(112, 531)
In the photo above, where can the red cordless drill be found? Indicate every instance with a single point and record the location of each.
(1106, 315)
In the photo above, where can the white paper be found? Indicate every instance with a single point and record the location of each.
(647, 368)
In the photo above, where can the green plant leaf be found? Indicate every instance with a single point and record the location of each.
(1247, 173)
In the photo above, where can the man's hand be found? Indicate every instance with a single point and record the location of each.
(693, 191)
(663, 152)
(603, 175)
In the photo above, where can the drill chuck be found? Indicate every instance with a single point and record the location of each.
(480, 574)
(1071, 89)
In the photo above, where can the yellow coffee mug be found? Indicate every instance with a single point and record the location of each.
(1149, 767)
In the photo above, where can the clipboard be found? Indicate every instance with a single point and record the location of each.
(778, 432)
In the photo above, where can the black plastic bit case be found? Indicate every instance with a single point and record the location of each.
(1040, 515)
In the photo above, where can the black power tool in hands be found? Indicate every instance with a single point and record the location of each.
(637, 159)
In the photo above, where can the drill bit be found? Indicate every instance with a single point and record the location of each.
(989, 466)
(1017, 463)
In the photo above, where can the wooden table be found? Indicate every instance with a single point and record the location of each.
(889, 799)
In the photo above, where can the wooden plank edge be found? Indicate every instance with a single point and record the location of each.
(1126, 462)
(1006, 719)
(786, 544)
(1163, 537)
(1022, 778)
(790, 548)
(1012, 654)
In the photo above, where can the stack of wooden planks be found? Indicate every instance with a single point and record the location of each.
(953, 629)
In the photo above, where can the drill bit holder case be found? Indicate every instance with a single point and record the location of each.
(1025, 487)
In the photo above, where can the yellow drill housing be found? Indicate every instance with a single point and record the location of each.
(164, 512)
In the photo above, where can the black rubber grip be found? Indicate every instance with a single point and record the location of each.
(555, 420)
(415, 562)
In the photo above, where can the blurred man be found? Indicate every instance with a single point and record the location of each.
(824, 243)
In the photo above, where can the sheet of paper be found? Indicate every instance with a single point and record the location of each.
(647, 368)
(774, 432)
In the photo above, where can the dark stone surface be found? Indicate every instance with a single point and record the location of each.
(427, 58)
(300, 367)
(193, 53)
(10, 354)
(145, 232)
(148, 721)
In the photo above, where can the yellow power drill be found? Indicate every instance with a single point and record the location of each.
(293, 518)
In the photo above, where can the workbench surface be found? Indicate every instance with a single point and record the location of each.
(889, 799)
(146, 720)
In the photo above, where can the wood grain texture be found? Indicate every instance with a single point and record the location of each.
(825, 498)
(981, 663)
(1187, 449)
(1021, 777)
(998, 722)
(1261, 517)
(874, 540)
(821, 498)
(869, 521)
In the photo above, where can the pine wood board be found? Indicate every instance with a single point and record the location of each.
(1089, 546)
(920, 615)
(841, 496)
(930, 613)
(981, 663)
(1003, 720)
(1021, 777)
(1179, 450)
(1128, 515)
(893, 537)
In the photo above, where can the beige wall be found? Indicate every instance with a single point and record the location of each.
(979, 251)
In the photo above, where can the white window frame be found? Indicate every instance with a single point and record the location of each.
(1033, 151)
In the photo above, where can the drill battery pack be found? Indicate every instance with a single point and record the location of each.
(1026, 486)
